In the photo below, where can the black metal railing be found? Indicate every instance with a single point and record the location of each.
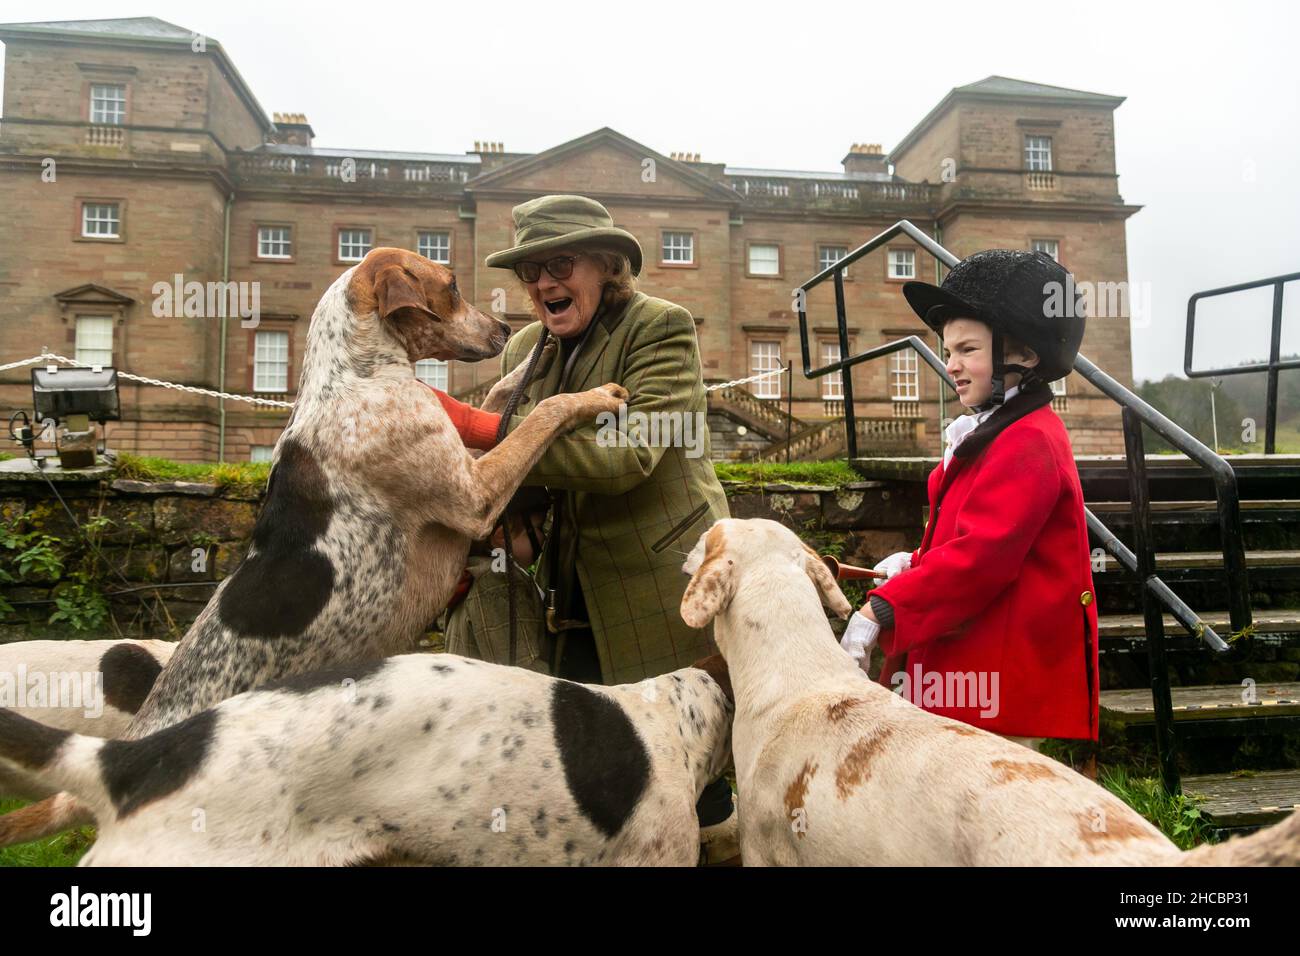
(1140, 562)
(1272, 366)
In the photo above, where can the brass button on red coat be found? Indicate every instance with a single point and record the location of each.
(1085, 598)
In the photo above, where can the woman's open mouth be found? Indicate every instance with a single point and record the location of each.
(558, 306)
(962, 383)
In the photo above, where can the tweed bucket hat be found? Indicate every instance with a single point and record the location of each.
(549, 223)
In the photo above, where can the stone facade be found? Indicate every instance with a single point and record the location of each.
(195, 168)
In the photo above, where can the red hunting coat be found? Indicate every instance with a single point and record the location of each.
(1001, 587)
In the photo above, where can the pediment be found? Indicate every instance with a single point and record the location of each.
(604, 163)
(91, 294)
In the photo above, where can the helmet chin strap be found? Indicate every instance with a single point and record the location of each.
(1000, 369)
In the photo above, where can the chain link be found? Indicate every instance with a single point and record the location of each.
(48, 356)
(752, 378)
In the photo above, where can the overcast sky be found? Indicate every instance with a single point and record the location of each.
(1208, 141)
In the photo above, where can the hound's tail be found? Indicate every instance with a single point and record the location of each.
(1279, 845)
(50, 759)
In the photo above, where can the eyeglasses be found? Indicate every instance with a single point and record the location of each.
(560, 267)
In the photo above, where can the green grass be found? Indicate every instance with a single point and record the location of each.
(796, 472)
(243, 475)
(1176, 817)
(65, 849)
(1287, 438)
(1286, 441)
(249, 475)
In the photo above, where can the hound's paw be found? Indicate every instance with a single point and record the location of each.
(617, 392)
(604, 400)
(594, 402)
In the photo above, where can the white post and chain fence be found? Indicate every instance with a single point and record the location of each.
(51, 356)
(212, 393)
(741, 381)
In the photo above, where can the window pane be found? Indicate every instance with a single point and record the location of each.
(904, 377)
(432, 372)
(832, 383)
(827, 256)
(94, 340)
(353, 244)
(108, 104)
(261, 453)
(764, 260)
(273, 242)
(271, 362)
(1049, 246)
(902, 264)
(1038, 153)
(101, 220)
(435, 246)
(766, 356)
(679, 247)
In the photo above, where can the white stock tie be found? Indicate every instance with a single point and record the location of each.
(962, 426)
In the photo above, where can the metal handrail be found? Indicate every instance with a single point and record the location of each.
(1272, 366)
(835, 272)
(1136, 413)
(1225, 491)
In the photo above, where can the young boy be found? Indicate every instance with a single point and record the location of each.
(992, 620)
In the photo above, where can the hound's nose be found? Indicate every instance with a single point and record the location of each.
(503, 328)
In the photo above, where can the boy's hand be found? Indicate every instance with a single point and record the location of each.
(859, 639)
(895, 564)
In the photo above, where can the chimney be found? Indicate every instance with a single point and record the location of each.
(865, 158)
(292, 129)
(492, 154)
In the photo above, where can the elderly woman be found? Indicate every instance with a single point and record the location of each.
(617, 498)
(622, 501)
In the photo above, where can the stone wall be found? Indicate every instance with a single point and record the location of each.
(162, 550)
(728, 444)
(168, 543)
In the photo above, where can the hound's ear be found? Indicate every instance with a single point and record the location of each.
(712, 585)
(397, 289)
(831, 594)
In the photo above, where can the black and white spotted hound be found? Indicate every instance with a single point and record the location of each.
(87, 687)
(418, 759)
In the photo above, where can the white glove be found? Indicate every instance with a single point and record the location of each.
(896, 563)
(859, 639)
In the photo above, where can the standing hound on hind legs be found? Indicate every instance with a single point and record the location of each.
(371, 506)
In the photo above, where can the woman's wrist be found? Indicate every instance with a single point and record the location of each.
(477, 429)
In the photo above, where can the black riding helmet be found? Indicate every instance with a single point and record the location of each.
(1026, 295)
